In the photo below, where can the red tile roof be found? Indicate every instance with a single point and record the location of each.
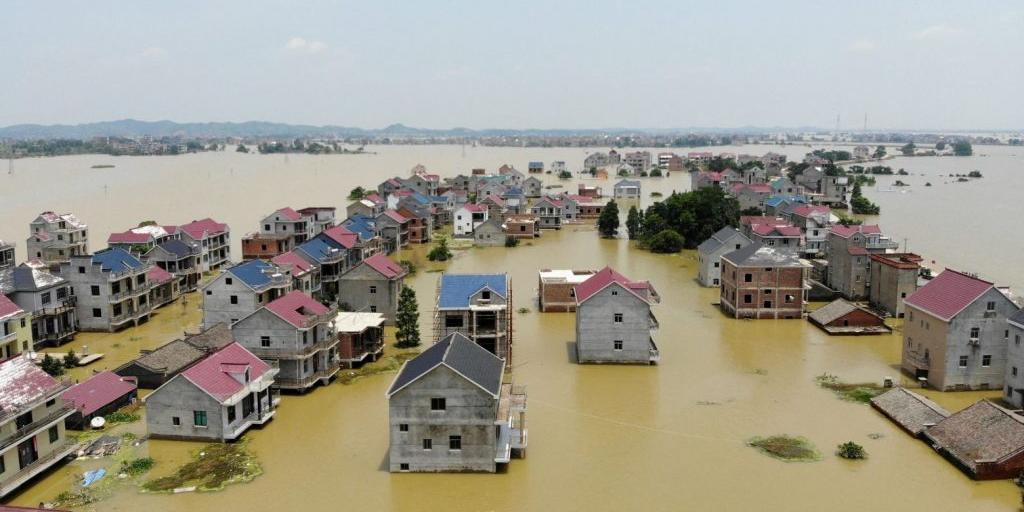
(475, 207)
(397, 217)
(769, 229)
(215, 374)
(605, 277)
(846, 231)
(298, 263)
(807, 211)
(374, 198)
(158, 275)
(8, 308)
(948, 294)
(21, 383)
(289, 213)
(496, 200)
(100, 390)
(129, 237)
(295, 307)
(343, 236)
(857, 251)
(198, 229)
(385, 266)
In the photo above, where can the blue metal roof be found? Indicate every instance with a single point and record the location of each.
(116, 260)
(255, 273)
(777, 200)
(319, 249)
(361, 225)
(456, 289)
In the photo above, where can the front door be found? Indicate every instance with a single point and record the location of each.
(27, 453)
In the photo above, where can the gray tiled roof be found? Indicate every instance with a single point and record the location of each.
(459, 353)
(1018, 317)
(758, 255)
(171, 357)
(177, 248)
(26, 279)
(720, 237)
(832, 311)
(214, 338)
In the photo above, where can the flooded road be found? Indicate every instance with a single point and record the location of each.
(666, 437)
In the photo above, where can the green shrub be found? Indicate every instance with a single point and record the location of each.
(666, 241)
(851, 450)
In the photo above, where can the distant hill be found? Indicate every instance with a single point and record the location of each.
(136, 128)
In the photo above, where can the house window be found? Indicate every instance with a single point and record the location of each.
(438, 404)
(403, 427)
(1013, 371)
(455, 443)
(428, 444)
(618, 318)
(209, 292)
(51, 402)
(990, 306)
(715, 282)
(767, 291)
(54, 434)
(716, 264)
(45, 298)
(618, 344)
(97, 313)
(3, 467)
(264, 341)
(403, 466)
(767, 304)
(615, 292)
(485, 295)
(373, 289)
(986, 361)
(1016, 339)
(975, 332)
(748, 298)
(373, 309)
(963, 362)
(748, 278)
(228, 281)
(234, 299)
(451, 321)
(176, 421)
(790, 299)
(231, 414)
(81, 270)
(199, 418)
(94, 290)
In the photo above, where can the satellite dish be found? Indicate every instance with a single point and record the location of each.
(98, 422)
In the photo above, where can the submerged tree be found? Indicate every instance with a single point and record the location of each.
(407, 321)
(52, 365)
(440, 252)
(357, 194)
(608, 222)
(633, 223)
(71, 359)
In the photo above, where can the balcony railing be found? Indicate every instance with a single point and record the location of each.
(131, 292)
(309, 380)
(4, 338)
(143, 310)
(655, 354)
(58, 452)
(64, 305)
(17, 435)
(297, 352)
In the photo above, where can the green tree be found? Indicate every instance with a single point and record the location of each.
(940, 145)
(962, 148)
(694, 215)
(667, 241)
(655, 173)
(851, 450)
(856, 189)
(880, 152)
(407, 321)
(52, 366)
(71, 359)
(633, 223)
(908, 149)
(608, 222)
(440, 252)
(564, 175)
(357, 194)
(752, 211)
(863, 206)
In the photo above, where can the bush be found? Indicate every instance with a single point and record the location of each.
(851, 450)
(137, 467)
(52, 366)
(666, 241)
(70, 359)
(863, 206)
(564, 175)
(787, 448)
(408, 265)
(655, 173)
(440, 252)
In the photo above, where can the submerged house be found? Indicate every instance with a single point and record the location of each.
(450, 410)
(218, 399)
(155, 367)
(614, 322)
(112, 289)
(984, 440)
(178, 258)
(213, 240)
(360, 337)
(242, 289)
(54, 238)
(45, 296)
(99, 396)
(478, 306)
(32, 414)
(843, 317)
(557, 289)
(373, 286)
(15, 334)
(763, 282)
(710, 252)
(296, 333)
(911, 411)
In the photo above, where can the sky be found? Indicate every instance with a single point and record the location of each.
(522, 64)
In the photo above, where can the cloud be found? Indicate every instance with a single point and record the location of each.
(153, 52)
(300, 44)
(862, 45)
(939, 31)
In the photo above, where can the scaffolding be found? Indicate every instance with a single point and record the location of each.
(477, 315)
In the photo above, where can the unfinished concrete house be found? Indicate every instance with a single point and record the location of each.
(241, 290)
(479, 306)
(614, 322)
(557, 289)
(451, 410)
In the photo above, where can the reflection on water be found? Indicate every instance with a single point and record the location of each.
(669, 437)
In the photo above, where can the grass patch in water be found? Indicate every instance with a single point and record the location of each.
(74, 499)
(862, 392)
(389, 363)
(786, 448)
(121, 416)
(136, 467)
(213, 467)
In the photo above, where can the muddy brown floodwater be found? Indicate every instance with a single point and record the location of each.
(665, 437)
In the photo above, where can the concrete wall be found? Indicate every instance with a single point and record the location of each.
(217, 306)
(709, 270)
(889, 286)
(286, 342)
(470, 413)
(180, 398)
(782, 286)
(86, 302)
(597, 330)
(354, 290)
(1013, 392)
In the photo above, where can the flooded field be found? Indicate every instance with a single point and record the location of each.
(665, 437)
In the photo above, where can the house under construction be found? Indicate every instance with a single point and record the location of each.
(478, 306)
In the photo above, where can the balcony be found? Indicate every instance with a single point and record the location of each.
(131, 292)
(653, 321)
(301, 352)
(59, 452)
(4, 338)
(919, 360)
(63, 306)
(277, 280)
(32, 428)
(655, 355)
(307, 381)
(143, 310)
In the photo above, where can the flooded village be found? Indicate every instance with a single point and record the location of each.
(410, 326)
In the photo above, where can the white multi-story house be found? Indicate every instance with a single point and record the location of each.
(213, 239)
(469, 217)
(54, 238)
(111, 289)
